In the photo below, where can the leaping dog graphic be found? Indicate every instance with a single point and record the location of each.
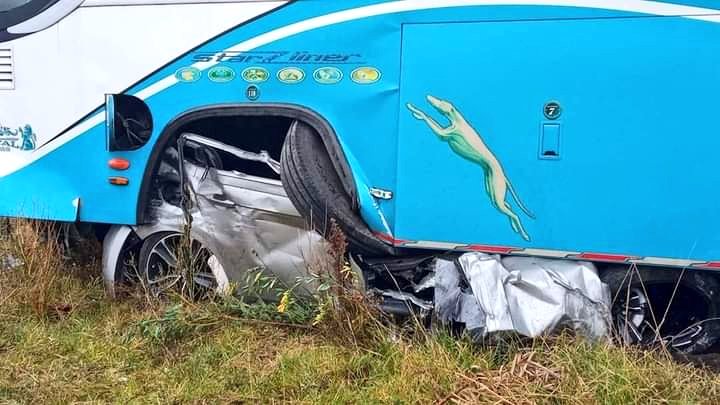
(466, 142)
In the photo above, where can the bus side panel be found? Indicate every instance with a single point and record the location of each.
(624, 163)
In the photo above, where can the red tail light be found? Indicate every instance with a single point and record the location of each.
(119, 164)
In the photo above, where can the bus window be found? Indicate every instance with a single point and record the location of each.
(14, 12)
(23, 17)
(11, 4)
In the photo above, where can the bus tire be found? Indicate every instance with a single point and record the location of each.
(315, 189)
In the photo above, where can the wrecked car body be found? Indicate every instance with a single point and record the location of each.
(239, 222)
(487, 294)
(526, 295)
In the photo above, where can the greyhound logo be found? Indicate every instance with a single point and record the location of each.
(467, 143)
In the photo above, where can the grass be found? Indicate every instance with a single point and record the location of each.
(66, 342)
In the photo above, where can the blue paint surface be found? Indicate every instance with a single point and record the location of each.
(640, 134)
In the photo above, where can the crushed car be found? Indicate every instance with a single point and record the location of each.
(237, 222)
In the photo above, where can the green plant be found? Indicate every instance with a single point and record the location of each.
(167, 328)
(344, 311)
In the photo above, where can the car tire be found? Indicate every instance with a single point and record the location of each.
(704, 287)
(315, 189)
(154, 266)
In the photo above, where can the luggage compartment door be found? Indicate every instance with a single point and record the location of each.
(570, 135)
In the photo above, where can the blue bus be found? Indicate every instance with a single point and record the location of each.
(566, 129)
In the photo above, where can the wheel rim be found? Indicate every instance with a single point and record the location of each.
(630, 319)
(164, 275)
(635, 324)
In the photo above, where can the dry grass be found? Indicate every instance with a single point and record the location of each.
(36, 284)
(501, 385)
(178, 351)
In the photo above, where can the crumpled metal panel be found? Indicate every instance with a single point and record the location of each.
(453, 302)
(530, 296)
(247, 222)
(405, 297)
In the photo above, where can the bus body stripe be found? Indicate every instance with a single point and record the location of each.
(557, 254)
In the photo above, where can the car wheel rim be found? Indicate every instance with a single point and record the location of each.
(164, 273)
(635, 324)
(630, 318)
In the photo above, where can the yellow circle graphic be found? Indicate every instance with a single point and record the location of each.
(291, 75)
(366, 75)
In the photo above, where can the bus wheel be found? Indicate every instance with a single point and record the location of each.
(315, 189)
(159, 265)
(649, 298)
